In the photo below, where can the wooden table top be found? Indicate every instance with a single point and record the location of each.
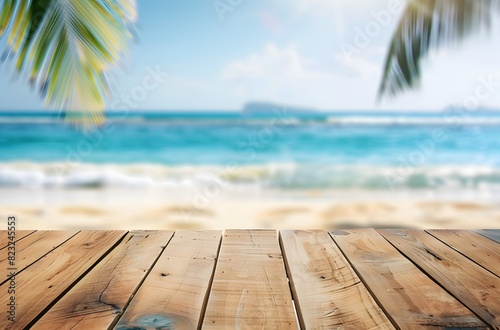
(251, 279)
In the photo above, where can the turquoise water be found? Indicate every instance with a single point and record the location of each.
(340, 150)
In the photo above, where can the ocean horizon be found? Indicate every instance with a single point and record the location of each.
(449, 150)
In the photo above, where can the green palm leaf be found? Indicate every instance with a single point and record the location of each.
(427, 25)
(66, 47)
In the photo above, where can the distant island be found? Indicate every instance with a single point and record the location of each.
(475, 110)
(266, 108)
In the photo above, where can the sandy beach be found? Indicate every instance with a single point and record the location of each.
(150, 209)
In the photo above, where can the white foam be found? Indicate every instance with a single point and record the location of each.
(275, 176)
(414, 121)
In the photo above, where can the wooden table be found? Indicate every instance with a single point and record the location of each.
(253, 279)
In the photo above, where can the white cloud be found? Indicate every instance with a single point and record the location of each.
(272, 65)
(333, 6)
(331, 81)
(339, 10)
(283, 75)
(368, 63)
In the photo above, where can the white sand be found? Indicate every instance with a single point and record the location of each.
(118, 209)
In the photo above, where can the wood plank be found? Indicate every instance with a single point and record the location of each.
(20, 234)
(97, 300)
(174, 293)
(327, 292)
(250, 288)
(34, 247)
(493, 234)
(476, 247)
(411, 298)
(474, 286)
(46, 280)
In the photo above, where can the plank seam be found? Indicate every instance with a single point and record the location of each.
(17, 240)
(296, 304)
(124, 309)
(365, 284)
(297, 320)
(210, 283)
(437, 282)
(43, 256)
(63, 293)
(272, 305)
(455, 249)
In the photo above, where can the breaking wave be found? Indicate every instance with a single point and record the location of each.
(271, 176)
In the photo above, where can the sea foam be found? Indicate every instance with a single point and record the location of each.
(270, 176)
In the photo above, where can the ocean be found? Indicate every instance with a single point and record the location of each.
(351, 150)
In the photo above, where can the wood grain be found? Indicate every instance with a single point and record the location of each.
(174, 293)
(474, 246)
(34, 247)
(250, 288)
(410, 297)
(474, 286)
(410, 277)
(98, 299)
(327, 292)
(20, 234)
(42, 283)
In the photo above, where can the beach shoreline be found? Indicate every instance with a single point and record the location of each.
(154, 209)
(210, 170)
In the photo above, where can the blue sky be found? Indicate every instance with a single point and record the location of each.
(220, 54)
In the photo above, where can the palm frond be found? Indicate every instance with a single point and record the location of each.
(66, 47)
(6, 13)
(427, 25)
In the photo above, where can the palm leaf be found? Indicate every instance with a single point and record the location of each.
(6, 13)
(427, 25)
(66, 47)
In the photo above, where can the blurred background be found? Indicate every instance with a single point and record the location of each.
(259, 114)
